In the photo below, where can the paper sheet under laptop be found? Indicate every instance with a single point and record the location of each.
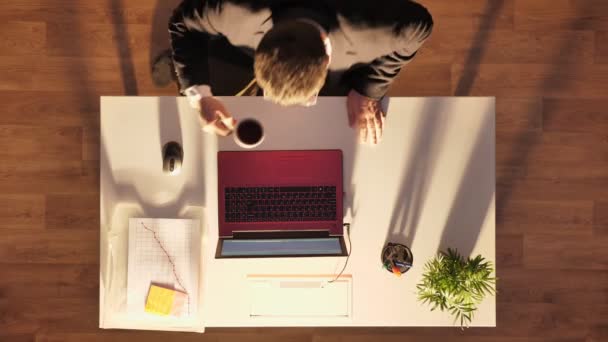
(300, 296)
(149, 264)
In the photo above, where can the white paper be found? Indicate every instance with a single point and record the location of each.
(300, 297)
(177, 266)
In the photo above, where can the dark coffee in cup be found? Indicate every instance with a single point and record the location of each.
(249, 132)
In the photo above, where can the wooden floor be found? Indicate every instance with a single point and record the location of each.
(546, 61)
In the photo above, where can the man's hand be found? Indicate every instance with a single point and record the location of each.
(365, 115)
(215, 118)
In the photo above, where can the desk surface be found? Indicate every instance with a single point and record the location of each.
(430, 184)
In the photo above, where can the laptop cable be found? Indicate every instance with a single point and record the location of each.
(350, 250)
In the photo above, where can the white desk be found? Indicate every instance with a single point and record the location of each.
(430, 184)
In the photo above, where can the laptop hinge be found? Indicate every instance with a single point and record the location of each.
(301, 234)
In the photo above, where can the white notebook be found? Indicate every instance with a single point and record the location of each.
(164, 252)
(299, 296)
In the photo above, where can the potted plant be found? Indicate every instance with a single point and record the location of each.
(456, 285)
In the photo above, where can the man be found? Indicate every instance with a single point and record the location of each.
(301, 48)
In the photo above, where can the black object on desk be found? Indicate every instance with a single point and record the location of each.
(397, 258)
(173, 156)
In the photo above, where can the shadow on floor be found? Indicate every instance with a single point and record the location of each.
(477, 50)
(121, 38)
(525, 143)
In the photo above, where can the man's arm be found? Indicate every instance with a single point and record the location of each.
(373, 80)
(190, 27)
(193, 23)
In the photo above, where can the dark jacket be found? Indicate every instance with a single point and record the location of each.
(371, 40)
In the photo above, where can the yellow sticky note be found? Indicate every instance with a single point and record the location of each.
(160, 300)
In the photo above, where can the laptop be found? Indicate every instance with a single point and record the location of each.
(280, 204)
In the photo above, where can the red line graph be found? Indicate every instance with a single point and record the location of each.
(179, 282)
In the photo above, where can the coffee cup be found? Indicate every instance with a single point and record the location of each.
(249, 133)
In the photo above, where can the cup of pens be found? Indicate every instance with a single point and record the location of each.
(397, 258)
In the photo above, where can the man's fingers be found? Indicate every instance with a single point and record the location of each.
(228, 121)
(380, 119)
(377, 130)
(363, 135)
(371, 131)
(221, 129)
(379, 124)
(351, 113)
(362, 131)
(217, 127)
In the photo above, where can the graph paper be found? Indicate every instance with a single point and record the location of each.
(164, 252)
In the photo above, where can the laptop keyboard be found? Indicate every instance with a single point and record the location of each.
(280, 204)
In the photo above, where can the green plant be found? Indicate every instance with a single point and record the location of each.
(457, 285)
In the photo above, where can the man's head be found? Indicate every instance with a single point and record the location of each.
(291, 63)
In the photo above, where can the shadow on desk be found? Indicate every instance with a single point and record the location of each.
(171, 196)
(474, 193)
(415, 180)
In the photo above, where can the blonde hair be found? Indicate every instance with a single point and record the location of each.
(290, 63)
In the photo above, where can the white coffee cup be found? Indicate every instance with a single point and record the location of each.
(248, 133)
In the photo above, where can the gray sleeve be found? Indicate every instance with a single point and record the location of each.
(190, 28)
(374, 79)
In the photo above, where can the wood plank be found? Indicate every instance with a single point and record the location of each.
(437, 80)
(99, 40)
(512, 149)
(580, 251)
(241, 334)
(15, 74)
(21, 211)
(531, 80)
(564, 287)
(600, 218)
(599, 329)
(566, 171)
(550, 217)
(161, 336)
(548, 15)
(84, 76)
(601, 47)
(28, 176)
(343, 335)
(562, 147)
(598, 333)
(90, 143)
(471, 14)
(509, 249)
(518, 114)
(17, 337)
(542, 320)
(23, 316)
(49, 280)
(72, 211)
(132, 11)
(537, 322)
(22, 38)
(50, 246)
(552, 189)
(62, 74)
(575, 115)
(440, 333)
(49, 109)
(118, 336)
(504, 46)
(50, 143)
(507, 174)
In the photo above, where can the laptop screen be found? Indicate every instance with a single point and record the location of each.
(281, 247)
